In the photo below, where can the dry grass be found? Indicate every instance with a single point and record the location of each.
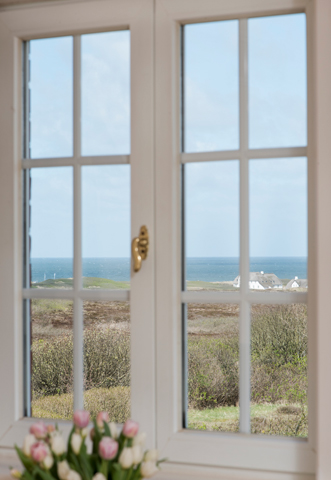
(115, 401)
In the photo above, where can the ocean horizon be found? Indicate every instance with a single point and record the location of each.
(207, 269)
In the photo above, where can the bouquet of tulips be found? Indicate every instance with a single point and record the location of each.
(114, 455)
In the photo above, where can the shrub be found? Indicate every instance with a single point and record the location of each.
(279, 334)
(213, 372)
(106, 362)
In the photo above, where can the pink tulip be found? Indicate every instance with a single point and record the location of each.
(130, 429)
(102, 417)
(39, 452)
(50, 428)
(81, 418)
(108, 448)
(39, 430)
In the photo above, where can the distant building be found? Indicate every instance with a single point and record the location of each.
(261, 281)
(297, 283)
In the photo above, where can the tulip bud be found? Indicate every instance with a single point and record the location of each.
(63, 469)
(140, 439)
(81, 418)
(130, 429)
(113, 430)
(137, 454)
(48, 462)
(72, 475)
(15, 473)
(108, 448)
(151, 455)
(102, 417)
(76, 443)
(126, 458)
(50, 428)
(39, 430)
(148, 469)
(99, 476)
(29, 440)
(84, 432)
(58, 444)
(39, 452)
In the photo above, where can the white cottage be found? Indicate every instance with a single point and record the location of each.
(261, 281)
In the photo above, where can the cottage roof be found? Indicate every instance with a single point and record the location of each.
(301, 282)
(267, 280)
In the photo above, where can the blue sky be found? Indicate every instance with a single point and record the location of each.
(277, 117)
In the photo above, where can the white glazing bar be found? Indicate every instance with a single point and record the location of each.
(210, 297)
(105, 295)
(72, 161)
(275, 153)
(78, 304)
(210, 156)
(55, 293)
(277, 298)
(105, 160)
(244, 317)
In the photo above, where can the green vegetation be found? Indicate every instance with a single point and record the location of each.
(279, 364)
(88, 282)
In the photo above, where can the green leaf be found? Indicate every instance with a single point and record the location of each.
(107, 430)
(27, 462)
(43, 474)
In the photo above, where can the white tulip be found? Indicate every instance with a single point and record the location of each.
(139, 439)
(126, 458)
(99, 476)
(137, 454)
(84, 432)
(15, 473)
(151, 455)
(113, 430)
(63, 469)
(76, 442)
(29, 440)
(48, 462)
(58, 444)
(148, 469)
(72, 475)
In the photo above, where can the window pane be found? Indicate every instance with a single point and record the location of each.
(213, 367)
(52, 358)
(51, 97)
(51, 227)
(278, 224)
(279, 349)
(107, 359)
(106, 93)
(212, 224)
(211, 86)
(277, 80)
(106, 226)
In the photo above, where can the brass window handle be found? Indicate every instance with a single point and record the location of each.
(139, 248)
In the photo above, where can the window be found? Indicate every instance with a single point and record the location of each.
(156, 159)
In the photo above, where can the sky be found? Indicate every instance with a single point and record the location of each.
(277, 118)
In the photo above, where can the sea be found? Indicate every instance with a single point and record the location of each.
(207, 269)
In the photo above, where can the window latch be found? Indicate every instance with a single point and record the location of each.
(140, 248)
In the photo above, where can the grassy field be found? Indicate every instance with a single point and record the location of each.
(279, 361)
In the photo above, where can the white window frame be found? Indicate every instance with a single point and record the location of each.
(192, 454)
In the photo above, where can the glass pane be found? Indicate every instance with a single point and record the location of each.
(51, 227)
(213, 367)
(51, 97)
(52, 358)
(211, 86)
(212, 224)
(106, 93)
(107, 359)
(106, 226)
(279, 348)
(277, 80)
(278, 224)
